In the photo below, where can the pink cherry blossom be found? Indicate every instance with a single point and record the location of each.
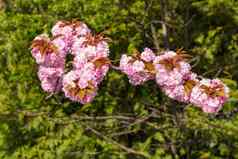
(125, 65)
(182, 91)
(139, 78)
(70, 30)
(79, 85)
(147, 55)
(138, 68)
(62, 44)
(91, 46)
(101, 67)
(170, 69)
(80, 60)
(210, 95)
(73, 28)
(51, 78)
(86, 74)
(49, 53)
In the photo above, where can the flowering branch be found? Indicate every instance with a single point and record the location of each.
(171, 70)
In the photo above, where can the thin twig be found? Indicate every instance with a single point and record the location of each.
(196, 59)
(141, 120)
(123, 133)
(155, 39)
(190, 20)
(163, 4)
(218, 72)
(50, 95)
(127, 149)
(118, 117)
(116, 68)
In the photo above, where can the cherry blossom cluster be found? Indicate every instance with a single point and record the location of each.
(50, 55)
(139, 67)
(173, 74)
(90, 63)
(80, 78)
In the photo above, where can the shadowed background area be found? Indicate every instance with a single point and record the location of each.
(123, 121)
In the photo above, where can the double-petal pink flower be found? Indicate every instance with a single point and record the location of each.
(139, 67)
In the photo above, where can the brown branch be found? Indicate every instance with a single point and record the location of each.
(155, 39)
(196, 61)
(163, 4)
(123, 147)
(119, 117)
(123, 133)
(141, 120)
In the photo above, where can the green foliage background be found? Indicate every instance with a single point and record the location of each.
(123, 121)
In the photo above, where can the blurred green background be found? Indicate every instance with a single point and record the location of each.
(123, 121)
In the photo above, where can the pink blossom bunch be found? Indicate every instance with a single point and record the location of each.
(182, 91)
(50, 55)
(70, 30)
(170, 68)
(209, 95)
(92, 49)
(91, 46)
(80, 84)
(51, 78)
(139, 67)
(177, 80)
(49, 52)
(90, 63)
